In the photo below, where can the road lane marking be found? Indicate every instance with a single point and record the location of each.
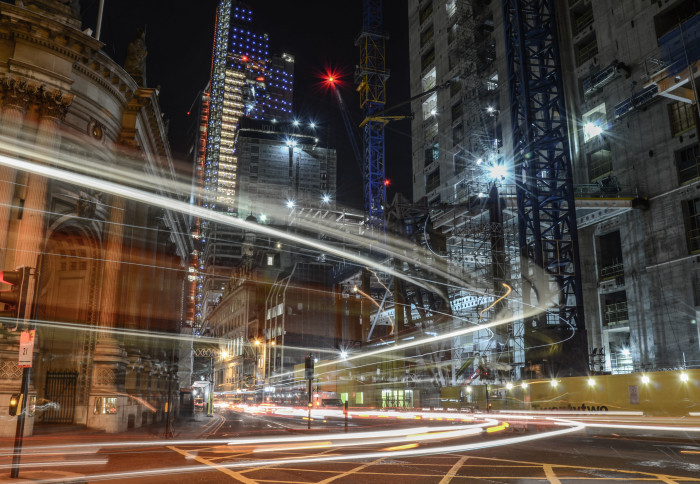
(351, 471)
(549, 474)
(666, 479)
(228, 472)
(453, 470)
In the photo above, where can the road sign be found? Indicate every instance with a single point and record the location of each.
(26, 349)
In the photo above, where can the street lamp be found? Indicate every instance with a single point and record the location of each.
(255, 372)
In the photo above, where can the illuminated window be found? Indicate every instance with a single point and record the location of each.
(451, 7)
(432, 153)
(429, 80)
(594, 122)
(105, 405)
(430, 106)
(359, 398)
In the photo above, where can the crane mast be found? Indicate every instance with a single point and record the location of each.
(371, 79)
(546, 213)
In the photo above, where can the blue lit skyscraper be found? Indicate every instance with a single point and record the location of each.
(246, 82)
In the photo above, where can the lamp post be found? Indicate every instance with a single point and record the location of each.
(255, 372)
(268, 373)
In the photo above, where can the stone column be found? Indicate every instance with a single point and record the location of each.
(109, 363)
(53, 106)
(109, 312)
(18, 94)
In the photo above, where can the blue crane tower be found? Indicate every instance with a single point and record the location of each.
(545, 194)
(371, 77)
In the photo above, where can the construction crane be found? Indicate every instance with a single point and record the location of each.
(546, 213)
(371, 77)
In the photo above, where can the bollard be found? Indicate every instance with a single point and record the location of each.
(346, 415)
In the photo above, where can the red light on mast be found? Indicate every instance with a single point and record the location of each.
(387, 182)
(244, 58)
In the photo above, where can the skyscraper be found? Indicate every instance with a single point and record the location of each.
(247, 83)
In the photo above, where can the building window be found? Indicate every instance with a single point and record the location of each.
(460, 162)
(451, 7)
(430, 106)
(452, 34)
(579, 21)
(611, 266)
(105, 405)
(682, 117)
(432, 153)
(457, 134)
(615, 309)
(427, 59)
(432, 180)
(431, 132)
(426, 36)
(455, 87)
(696, 289)
(426, 11)
(586, 50)
(429, 80)
(691, 209)
(492, 82)
(594, 122)
(453, 59)
(599, 163)
(456, 111)
(688, 164)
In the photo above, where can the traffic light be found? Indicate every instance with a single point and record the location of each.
(15, 401)
(309, 368)
(14, 299)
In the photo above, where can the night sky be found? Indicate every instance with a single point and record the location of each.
(319, 34)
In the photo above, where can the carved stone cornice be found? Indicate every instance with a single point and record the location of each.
(54, 104)
(18, 93)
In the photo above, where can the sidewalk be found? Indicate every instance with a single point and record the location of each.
(185, 428)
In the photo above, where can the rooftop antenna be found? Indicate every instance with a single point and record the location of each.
(98, 29)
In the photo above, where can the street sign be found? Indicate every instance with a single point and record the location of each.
(26, 349)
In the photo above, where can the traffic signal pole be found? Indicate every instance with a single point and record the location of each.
(21, 276)
(19, 433)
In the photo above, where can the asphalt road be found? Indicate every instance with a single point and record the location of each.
(274, 450)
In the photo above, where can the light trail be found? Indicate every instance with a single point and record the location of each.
(508, 291)
(333, 458)
(186, 208)
(176, 205)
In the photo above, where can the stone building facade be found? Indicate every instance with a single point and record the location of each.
(107, 269)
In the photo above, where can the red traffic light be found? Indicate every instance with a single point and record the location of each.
(11, 277)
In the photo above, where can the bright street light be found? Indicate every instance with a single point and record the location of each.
(497, 172)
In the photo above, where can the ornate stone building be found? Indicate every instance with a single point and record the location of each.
(107, 270)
